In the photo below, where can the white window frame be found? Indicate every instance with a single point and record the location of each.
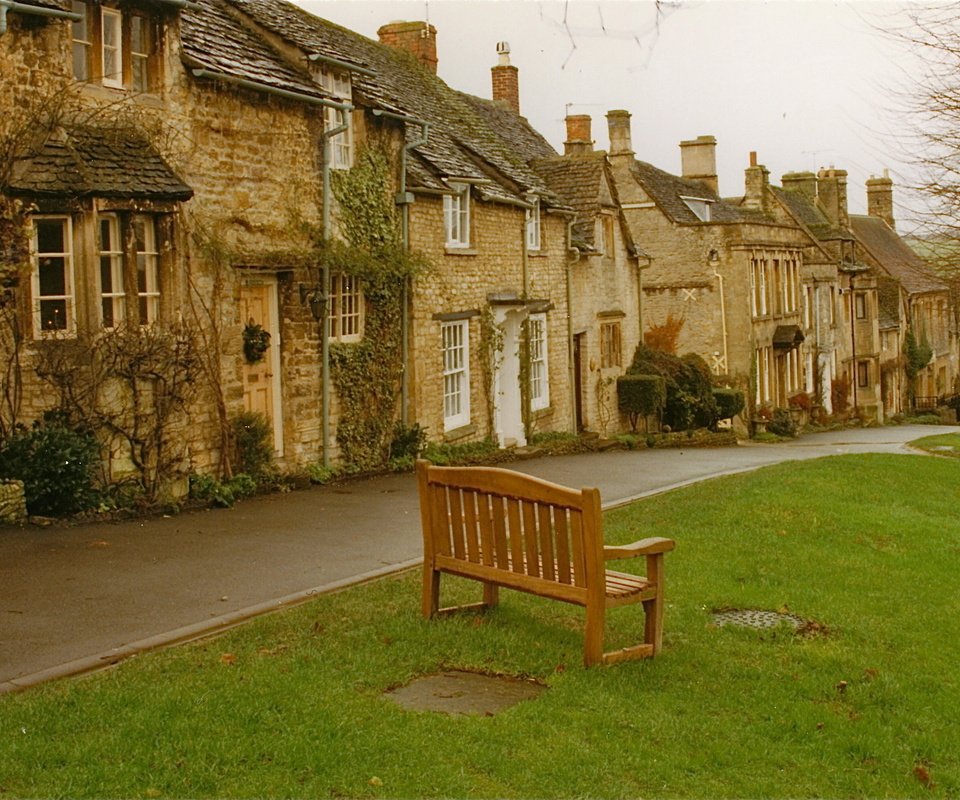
(456, 216)
(111, 259)
(148, 269)
(700, 207)
(68, 299)
(82, 42)
(341, 145)
(455, 349)
(140, 59)
(539, 362)
(533, 226)
(111, 18)
(345, 308)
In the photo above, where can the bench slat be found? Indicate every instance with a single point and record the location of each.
(471, 526)
(547, 550)
(500, 545)
(531, 551)
(576, 542)
(513, 580)
(456, 522)
(487, 550)
(515, 533)
(563, 545)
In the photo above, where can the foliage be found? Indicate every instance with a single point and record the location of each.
(208, 489)
(256, 342)
(408, 440)
(689, 390)
(320, 474)
(665, 337)
(56, 463)
(782, 423)
(640, 396)
(443, 454)
(916, 356)
(367, 373)
(292, 704)
(252, 435)
(730, 402)
(840, 394)
(800, 400)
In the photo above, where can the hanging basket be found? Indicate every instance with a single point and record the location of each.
(256, 342)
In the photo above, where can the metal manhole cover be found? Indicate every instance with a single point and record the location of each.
(757, 618)
(459, 692)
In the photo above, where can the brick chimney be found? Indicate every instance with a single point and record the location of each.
(579, 139)
(756, 181)
(880, 198)
(506, 80)
(417, 38)
(832, 194)
(698, 158)
(618, 127)
(804, 183)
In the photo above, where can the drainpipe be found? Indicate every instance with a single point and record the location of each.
(723, 320)
(37, 11)
(573, 258)
(853, 346)
(404, 200)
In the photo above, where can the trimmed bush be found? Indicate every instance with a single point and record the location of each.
(689, 399)
(782, 423)
(730, 402)
(56, 464)
(640, 395)
(253, 444)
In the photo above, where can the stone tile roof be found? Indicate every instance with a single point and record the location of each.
(88, 161)
(894, 256)
(666, 191)
(213, 38)
(810, 214)
(468, 138)
(888, 300)
(577, 180)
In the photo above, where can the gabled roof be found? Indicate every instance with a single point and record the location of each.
(577, 179)
(90, 161)
(809, 214)
(888, 299)
(894, 256)
(469, 138)
(668, 191)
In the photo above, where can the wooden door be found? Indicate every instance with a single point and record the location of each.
(261, 379)
(578, 379)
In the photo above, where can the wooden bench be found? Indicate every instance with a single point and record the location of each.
(504, 528)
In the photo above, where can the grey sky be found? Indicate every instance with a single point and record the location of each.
(804, 83)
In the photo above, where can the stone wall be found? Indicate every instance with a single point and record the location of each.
(13, 505)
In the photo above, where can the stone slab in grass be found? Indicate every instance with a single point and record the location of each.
(459, 692)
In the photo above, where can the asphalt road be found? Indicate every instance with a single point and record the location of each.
(73, 599)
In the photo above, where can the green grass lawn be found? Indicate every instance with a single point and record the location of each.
(291, 705)
(947, 444)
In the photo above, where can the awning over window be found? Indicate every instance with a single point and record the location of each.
(88, 161)
(786, 337)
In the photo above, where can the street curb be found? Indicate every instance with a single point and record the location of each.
(196, 631)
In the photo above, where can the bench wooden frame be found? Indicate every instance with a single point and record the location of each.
(504, 528)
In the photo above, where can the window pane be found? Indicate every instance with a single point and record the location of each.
(53, 315)
(53, 276)
(112, 54)
(50, 236)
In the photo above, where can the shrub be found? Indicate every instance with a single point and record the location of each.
(640, 395)
(443, 454)
(55, 463)
(226, 493)
(253, 444)
(782, 423)
(730, 402)
(840, 394)
(800, 400)
(408, 441)
(689, 399)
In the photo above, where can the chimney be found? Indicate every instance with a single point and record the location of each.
(417, 38)
(756, 182)
(880, 198)
(698, 158)
(506, 82)
(618, 127)
(579, 140)
(832, 193)
(804, 183)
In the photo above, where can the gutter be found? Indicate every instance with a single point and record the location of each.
(267, 88)
(336, 62)
(37, 11)
(404, 199)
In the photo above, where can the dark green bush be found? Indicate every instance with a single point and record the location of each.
(782, 423)
(640, 395)
(56, 464)
(689, 399)
(253, 444)
(408, 441)
(224, 494)
(730, 402)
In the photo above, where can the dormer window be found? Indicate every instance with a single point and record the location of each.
(699, 206)
(114, 47)
(336, 82)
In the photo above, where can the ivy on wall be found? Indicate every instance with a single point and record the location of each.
(367, 374)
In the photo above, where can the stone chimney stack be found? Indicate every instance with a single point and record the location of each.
(756, 183)
(579, 139)
(804, 183)
(832, 194)
(698, 158)
(880, 198)
(618, 127)
(417, 38)
(506, 80)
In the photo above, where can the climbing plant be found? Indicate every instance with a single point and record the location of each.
(367, 373)
(916, 356)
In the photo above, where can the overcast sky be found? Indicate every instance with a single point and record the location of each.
(804, 83)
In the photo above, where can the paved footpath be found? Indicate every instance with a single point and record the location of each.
(73, 599)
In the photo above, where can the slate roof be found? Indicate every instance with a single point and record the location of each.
(888, 300)
(577, 180)
(214, 39)
(894, 256)
(468, 138)
(85, 161)
(810, 214)
(666, 191)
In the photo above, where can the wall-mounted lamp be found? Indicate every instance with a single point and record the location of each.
(713, 258)
(316, 299)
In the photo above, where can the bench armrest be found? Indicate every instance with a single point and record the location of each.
(644, 547)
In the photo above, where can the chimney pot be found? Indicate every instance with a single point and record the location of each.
(618, 128)
(698, 158)
(832, 195)
(506, 79)
(417, 38)
(579, 139)
(880, 198)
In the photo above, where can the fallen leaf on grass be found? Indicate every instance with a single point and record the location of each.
(841, 687)
(922, 774)
(228, 659)
(375, 781)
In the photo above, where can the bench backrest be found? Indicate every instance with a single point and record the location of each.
(536, 535)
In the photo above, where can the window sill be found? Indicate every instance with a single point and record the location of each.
(457, 434)
(111, 93)
(542, 413)
(460, 251)
(536, 254)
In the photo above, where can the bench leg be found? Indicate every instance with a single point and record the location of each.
(653, 609)
(593, 635)
(431, 591)
(491, 594)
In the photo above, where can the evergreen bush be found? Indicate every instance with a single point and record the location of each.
(640, 396)
(253, 444)
(730, 402)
